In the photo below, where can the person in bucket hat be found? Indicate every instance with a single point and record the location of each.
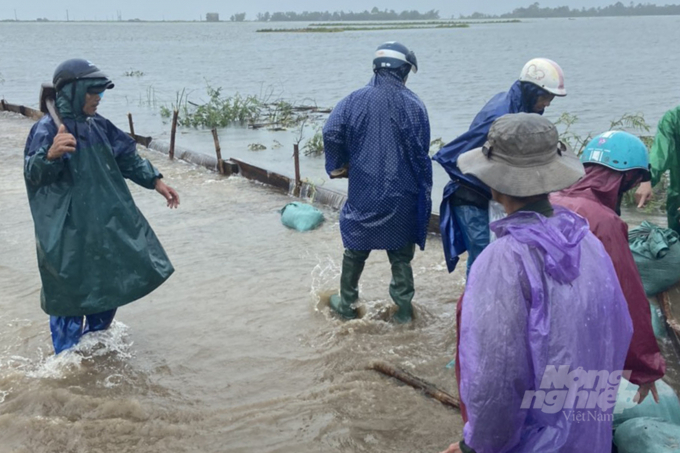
(542, 297)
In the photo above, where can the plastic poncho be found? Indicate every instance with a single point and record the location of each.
(382, 132)
(543, 295)
(665, 155)
(596, 197)
(96, 251)
(515, 100)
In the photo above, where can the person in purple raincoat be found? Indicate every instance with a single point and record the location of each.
(545, 327)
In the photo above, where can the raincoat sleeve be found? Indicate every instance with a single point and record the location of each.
(39, 171)
(494, 357)
(644, 358)
(416, 133)
(335, 138)
(664, 151)
(132, 166)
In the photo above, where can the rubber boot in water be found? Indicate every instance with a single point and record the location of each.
(352, 267)
(401, 287)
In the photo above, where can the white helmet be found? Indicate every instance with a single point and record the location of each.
(546, 74)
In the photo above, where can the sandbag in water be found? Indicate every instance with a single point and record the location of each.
(668, 408)
(301, 216)
(647, 435)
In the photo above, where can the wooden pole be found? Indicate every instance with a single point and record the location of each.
(218, 151)
(132, 125)
(296, 157)
(172, 134)
(417, 383)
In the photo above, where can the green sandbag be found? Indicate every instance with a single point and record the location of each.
(657, 255)
(301, 216)
(647, 435)
(626, 409)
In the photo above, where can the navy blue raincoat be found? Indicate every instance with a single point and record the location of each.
(382, 132)
(96, 251)
(520, 98)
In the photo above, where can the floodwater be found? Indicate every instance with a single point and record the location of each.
(237, 352)
(612, 66)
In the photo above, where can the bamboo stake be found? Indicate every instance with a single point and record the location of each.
(172, 134)
(298, 183)
(218, 151)
(417, 383)
(132, 126)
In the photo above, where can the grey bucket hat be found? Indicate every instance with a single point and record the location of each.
(522, 157)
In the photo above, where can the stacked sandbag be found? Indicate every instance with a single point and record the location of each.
(656, 252)
(301, 216)
(647, 435)
(668, 408)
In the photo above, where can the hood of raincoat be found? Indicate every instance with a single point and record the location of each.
(71, 98)
(557, 239)
(543, 297)
(604, 185)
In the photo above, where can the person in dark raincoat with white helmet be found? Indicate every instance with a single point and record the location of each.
(464, 211)
(96, 251)
(379, 137)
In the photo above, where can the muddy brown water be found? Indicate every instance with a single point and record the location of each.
(237, 352)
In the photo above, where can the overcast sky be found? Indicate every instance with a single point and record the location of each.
(193, 9)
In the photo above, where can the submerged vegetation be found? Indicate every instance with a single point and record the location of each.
(350, 27)
(535, 11)
(256, 112)
(374, 15)
(634, 123)
(133, 73)
(314, 146)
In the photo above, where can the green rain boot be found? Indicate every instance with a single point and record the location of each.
(352, 266)
(401, 287)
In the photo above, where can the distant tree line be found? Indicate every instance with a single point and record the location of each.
(617, 9)
(374, 14)
(239, 17)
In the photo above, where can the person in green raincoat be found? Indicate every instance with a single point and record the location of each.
(664, 156)
(96, 251)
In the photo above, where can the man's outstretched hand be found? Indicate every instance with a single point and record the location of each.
(168, 192)
(643, 194)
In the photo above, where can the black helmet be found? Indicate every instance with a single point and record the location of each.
(77, 69)
(393, 55)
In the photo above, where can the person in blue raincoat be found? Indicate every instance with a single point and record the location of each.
(379, 137)
(96, 251)
(464, 211)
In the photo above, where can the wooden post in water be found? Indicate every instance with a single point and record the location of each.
(417, 383)
(173, 131)
(218, 151)
(132, 125)
(296, 157)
